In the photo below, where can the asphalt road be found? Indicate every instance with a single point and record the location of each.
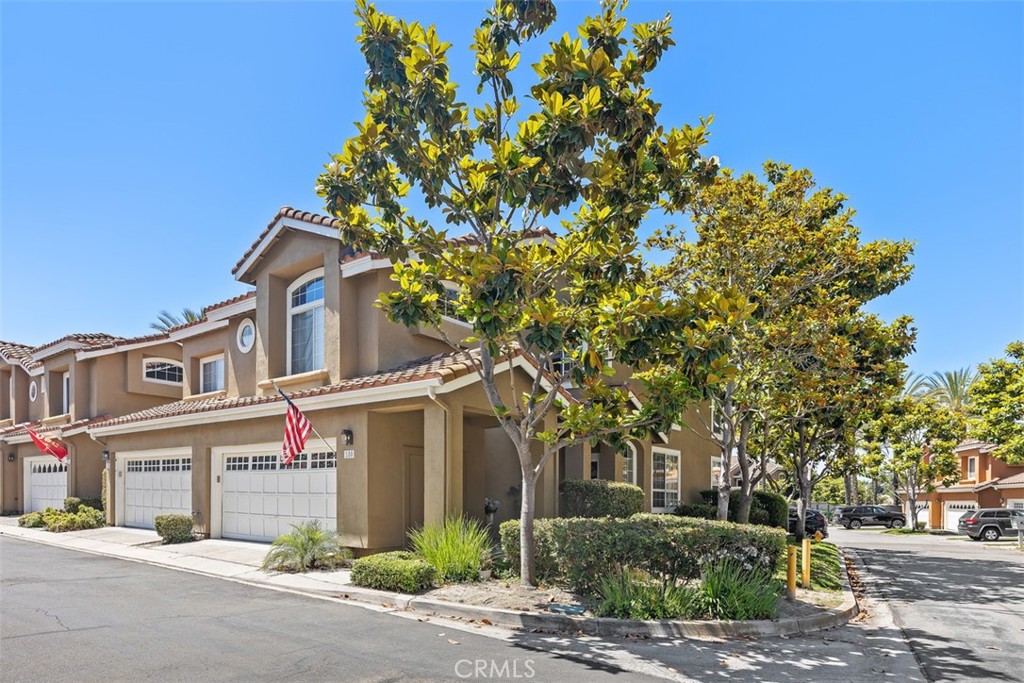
(65, 615)
(960, 603)
(69, 616)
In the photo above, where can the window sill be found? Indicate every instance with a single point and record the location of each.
(56, 419)
(9, 422)
(312, 377)
(221, 393)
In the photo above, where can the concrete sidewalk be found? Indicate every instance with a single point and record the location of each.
(237, 560)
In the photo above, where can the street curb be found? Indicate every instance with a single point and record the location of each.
(534, 621)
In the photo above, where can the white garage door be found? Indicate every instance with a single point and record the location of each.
(262, 499)
(954, 511)
(156, 486)
(48, 485)
(1015, 503)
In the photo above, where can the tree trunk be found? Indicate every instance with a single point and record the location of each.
(801, 507)
(726, 445)
(527, 564)
(848, 490)
(747, 482)
(874, 490)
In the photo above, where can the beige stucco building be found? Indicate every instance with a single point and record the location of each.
(406, 435)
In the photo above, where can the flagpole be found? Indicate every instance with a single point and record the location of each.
(332, 449)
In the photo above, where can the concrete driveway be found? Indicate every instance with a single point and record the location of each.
(960, 603)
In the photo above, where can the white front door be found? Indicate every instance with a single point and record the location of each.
(260, 499)
(954, 511)
(46, 483)
(153, 483)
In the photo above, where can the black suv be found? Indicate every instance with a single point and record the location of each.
(988, 524)
(814, 522)
(870, 515)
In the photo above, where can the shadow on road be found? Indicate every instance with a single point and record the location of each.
(945, 660)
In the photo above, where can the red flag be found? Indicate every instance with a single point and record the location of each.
(49, 446)
(296, 431)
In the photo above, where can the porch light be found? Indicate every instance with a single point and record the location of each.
(346, 437)
(11, 457)
(106, 456)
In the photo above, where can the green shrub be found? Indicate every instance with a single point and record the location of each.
(766, 508)
(74, 504)
(697, 510)
(174, 528)
(578, 552)
(395, 571)
(308, 546)
(32, 520)
(457, 549)
(775, 506)
(631, 595)
(730, 589)
(59, 521)
(600, 498)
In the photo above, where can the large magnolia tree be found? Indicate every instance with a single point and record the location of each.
(997, 396)
(584, 155)
(792, 249)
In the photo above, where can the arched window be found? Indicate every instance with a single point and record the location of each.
(163, 371)
(306, 323)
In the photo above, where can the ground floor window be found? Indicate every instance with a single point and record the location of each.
(716, 470)
(665, 481)
(629, 464)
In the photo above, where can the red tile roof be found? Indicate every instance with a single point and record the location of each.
(228, 302)
(90, 339)
(14, 352)
(445, 366)
(1014, 481)
(118, 341)
(50, 430)
(286, 212)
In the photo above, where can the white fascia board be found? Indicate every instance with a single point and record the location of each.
(239, 307)
(337, 400)
(176, 452)
(363, 264)
(195, 330)
(69, 345)
(268, 239)
(83, 355)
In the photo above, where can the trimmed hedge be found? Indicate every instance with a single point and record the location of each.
(697, 510)
(775, 507)
(74, 504)
(766, 508)
(395, 571)
(174, 528)
(579, 552)
(601, 498)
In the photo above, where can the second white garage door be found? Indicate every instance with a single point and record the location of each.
(262, 499)
(954, 511)
(156, 486)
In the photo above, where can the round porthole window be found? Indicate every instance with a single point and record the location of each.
(32, 391)
(246, 335)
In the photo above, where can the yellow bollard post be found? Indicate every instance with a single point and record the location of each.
(791, 573)
(806, 563)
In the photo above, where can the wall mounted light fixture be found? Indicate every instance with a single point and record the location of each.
(106, 456)
(346, 437)
(11, 457)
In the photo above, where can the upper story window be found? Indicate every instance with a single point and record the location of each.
(246, 336)
(306, 323)
(163, 371)
(211, 374)
(972, 468)
(65, 383)
(32, 391)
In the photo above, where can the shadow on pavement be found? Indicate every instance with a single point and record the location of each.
(945, 660)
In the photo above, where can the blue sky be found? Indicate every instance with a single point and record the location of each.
(143, 146)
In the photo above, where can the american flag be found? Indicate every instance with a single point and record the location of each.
(296, 431)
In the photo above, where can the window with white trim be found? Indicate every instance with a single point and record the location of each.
(664, 481)
(211, 374)
(972, 468)
(716, 469)
(306, 323)
(33, 392)
(246, 336)
(629, 464)
(163, 371)
(65, 383)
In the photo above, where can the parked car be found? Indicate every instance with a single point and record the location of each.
(855, 517)
(988, 524)
(814, 522)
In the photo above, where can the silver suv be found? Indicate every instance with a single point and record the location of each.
(988, 524)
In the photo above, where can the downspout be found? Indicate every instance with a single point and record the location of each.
(108, 466)
(432, 395)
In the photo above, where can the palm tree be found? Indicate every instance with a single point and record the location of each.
(167, 320)
(915, 384)
(952, 388)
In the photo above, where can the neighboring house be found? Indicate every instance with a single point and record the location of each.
(61, 388)
(408, 435)
(774, 473)
(985, 482)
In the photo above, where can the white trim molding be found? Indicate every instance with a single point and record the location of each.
(268, 239)
(166, 361)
